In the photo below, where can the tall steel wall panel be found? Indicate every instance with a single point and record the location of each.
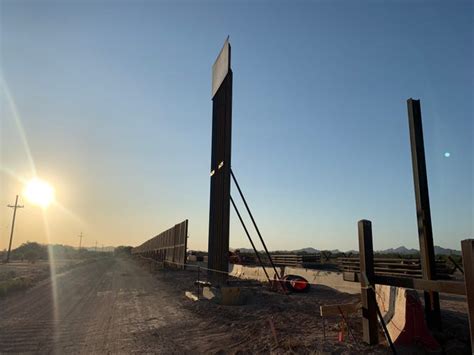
(170, 246)
(219, 207)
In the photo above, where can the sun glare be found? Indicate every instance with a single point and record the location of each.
(39, 192)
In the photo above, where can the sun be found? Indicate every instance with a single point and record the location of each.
(39, 192)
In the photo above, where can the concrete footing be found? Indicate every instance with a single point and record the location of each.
(191, 296)
(228, 296)
(316, 277)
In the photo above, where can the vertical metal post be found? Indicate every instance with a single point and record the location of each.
(219, 206)
(425, 231)
(15, 206)
(175, 231)
(467, 247)
(369, 305)
(186, 236)
(198, 281)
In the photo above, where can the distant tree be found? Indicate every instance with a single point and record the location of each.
(30, 251)
(31, 256)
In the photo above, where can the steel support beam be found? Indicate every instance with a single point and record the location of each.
(445, 286)
(219, 206)
(425, 231)
(369, 305)
(467, 247)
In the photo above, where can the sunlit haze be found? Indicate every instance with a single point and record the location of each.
(108, 104)
(39, 192)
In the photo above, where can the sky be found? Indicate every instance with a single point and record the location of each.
(110, 102)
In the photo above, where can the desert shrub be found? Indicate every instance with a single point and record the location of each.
(31, 251)
(13, 285)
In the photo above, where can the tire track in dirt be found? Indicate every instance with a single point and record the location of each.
(29, 322)
(102, 307)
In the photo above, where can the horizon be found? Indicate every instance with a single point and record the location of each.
(111, 105)
(101, 248)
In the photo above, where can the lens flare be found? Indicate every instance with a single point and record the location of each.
(39, 192)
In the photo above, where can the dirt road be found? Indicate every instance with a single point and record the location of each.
(102, 307)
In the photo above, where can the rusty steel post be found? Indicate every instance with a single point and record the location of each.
(467, 247)
(425, 231)
(369, 305)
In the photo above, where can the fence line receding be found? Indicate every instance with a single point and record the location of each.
(169, 245)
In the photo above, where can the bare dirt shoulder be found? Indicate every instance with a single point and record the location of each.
(213, 328)
(18, 276)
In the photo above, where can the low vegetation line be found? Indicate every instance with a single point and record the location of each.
(12, 281)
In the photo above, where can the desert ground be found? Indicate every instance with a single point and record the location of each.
(20, 275)
(119, 305)
(115, 305)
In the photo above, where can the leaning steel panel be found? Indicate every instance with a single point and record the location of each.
(219, 206)
(169, 246)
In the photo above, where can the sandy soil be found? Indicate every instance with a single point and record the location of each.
(246, 329)
(101, 307)
(454, 335)
(17, 276)
(35, 270)
(117, 306)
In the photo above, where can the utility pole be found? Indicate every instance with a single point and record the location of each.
(15, 206)
(96, 246)
(80, 240)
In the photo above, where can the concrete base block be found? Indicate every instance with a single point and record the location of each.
(228, 296)
(403, 314)
(210, 293)
(315, 277)
(191, 296)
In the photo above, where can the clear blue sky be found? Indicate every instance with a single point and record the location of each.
(114, 99)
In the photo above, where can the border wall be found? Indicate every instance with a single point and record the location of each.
(168, 246)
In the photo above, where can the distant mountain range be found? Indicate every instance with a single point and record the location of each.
(405, 251)
(402, 250)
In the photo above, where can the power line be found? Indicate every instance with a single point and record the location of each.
(15, 206)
